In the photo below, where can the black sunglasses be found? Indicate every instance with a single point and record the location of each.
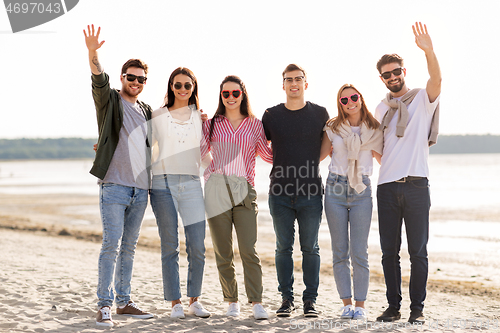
(132, 77)
(187, 86)
(396, 72)
(235, 93)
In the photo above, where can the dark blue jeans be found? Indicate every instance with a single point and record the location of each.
(307, 211)
(409, 201)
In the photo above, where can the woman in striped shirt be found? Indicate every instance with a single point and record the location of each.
(234, 136)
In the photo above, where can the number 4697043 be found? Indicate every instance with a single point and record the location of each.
(33, 7)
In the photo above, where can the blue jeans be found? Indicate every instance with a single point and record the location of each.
(122, 209)
(170, 195)
(349, 216)
(409, 201)
(307, 210)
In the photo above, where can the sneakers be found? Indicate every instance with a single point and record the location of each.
(132, 310)
(286, 308)
(360, 313)
(259, 312)
(103, 317)
(347, 312)
(390, 314)
(233, 310)
(177, 312)
(309, 309)
(416, 316)
(198, 310)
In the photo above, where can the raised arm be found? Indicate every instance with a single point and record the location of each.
(93, 44)
(424, 42)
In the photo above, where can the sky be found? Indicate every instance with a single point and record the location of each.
(46, 89)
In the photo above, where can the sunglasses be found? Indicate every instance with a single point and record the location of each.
(354, 98)
(187, 86)
(396, 72)
(227, 93)
(132, 77)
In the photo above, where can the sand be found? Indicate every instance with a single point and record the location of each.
(48, 277)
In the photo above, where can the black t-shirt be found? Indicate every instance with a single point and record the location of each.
(296, 142)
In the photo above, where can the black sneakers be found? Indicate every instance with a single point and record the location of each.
(309, 310)
(416, 316)
(286, 309)
(390, 314)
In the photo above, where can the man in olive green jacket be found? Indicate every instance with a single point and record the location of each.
(121, 166)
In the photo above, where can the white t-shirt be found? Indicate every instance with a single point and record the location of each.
(408, 155)
(176, 144)
(338, 164)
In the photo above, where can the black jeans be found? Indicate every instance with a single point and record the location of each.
(408, 201)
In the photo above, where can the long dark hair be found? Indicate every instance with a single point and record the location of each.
(366, 116)
(170, 97)
(245, 108)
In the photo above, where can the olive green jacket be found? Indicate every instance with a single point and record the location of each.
(109, 110)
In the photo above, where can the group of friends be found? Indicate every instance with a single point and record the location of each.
(159, 153)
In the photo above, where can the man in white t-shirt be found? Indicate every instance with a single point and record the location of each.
(403, 188)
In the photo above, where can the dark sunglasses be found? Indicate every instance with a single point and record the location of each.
(187, 86)
(396, 72)
(227, 93)
(344, 100)
(132, 77)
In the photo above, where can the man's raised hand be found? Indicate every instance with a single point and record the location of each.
(92, 39)
(422, 37)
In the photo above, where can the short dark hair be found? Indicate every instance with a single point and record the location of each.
(294, 67)
(134, 63)
(389, 59)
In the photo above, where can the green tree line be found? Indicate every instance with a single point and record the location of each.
(65, 148)
(36, 149)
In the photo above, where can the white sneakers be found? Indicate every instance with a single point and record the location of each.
(233, 310)
(194, 309)
(177, 312)
(198, 310)
(259, 312)
(347, 312)
(360, 314)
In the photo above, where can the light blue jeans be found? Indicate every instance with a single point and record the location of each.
(172, 195)
(122, 209)
(349, 217)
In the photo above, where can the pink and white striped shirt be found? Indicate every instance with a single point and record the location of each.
(233, 151)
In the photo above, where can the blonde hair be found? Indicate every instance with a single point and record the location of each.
(366, 116)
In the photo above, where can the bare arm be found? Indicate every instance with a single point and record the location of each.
(326, 147)
(377, 156)
(424, 42)
(93, 44)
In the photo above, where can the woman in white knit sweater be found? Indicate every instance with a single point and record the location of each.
(176, 188)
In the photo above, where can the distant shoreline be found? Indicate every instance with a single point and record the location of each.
(80, 148)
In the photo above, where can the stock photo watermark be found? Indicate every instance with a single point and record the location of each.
(26, 14)
(328, 324)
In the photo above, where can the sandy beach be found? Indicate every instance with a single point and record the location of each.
(50, 245)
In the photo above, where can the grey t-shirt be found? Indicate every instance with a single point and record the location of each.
(128, 165)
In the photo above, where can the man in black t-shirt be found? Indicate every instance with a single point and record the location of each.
(296, 131)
